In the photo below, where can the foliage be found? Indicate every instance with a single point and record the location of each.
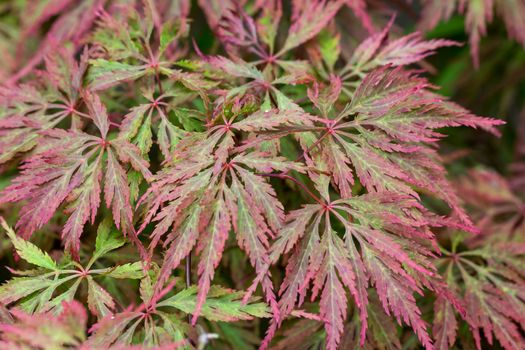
(271, 177)
(478, 14)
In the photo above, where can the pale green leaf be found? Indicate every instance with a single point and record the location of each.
(108, 238)
(131, 271)
(221, 304)
(28, 251)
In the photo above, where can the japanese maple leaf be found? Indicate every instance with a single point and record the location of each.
(383, 137)
(68, 168)
(257, 35)
(380, 50)
(72, 22)
(156, 321)
(491, 280)
(51, 284)
(386, 243)
(309, 333)
(239, 31)
(210, 188)
(497, 210)
(61, 331)
(134, 54)
(150, 122)
(27, 109)
(479, 13)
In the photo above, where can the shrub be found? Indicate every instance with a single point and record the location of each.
(236, 175)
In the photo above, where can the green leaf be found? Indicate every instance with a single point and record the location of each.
(28, 251)
(19, 287)
(67, 296)
(108, 239)
(131, 271)
(144, 138)
(329, 47)
(169, 32)
(104, 74)
(191, 119)
(221, 304)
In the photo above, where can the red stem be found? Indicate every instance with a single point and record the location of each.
(299, 183)
(311, 147)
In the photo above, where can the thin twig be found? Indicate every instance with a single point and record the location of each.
(299, 183)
